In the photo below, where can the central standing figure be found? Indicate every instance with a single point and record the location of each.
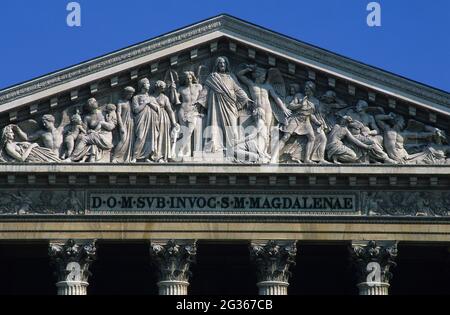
(223, 98)
(167, 125)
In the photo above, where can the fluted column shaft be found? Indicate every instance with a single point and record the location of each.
(173, 287)
(72, 288)
(273, 260)
(373, 288)
(172, 259)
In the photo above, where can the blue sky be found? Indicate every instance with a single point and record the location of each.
(413, 40)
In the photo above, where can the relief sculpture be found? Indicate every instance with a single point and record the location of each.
(246, 114)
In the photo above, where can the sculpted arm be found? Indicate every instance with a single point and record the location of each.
(22, 135)
(119, 118)
(380, 119)
(279, 102)
(111, 122)
(170, 112)
(242, 76)
(417, 135)
(137, 104)
(356, 141)
(296, 103)
(373, 124)
(175, 93)
(203, 97)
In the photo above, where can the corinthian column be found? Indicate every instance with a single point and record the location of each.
(72, 260)
(273, 260)
(373, 261)
(173, 259)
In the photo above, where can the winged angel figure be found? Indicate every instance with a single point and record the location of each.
(268, 92)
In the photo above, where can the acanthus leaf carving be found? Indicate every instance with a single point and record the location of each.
(273, 259)
(72, 259)
(173, 259)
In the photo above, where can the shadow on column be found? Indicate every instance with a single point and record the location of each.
(223, 269)
(25, 270)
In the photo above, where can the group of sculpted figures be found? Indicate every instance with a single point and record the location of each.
(157, 122)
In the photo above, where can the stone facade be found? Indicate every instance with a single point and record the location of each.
(224, 131)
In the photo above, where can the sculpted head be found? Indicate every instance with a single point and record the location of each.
(160, 86)
(92, 105)
(188, 78)
(144, 85)
(440, 137)
(329, 97)
(346, 120)
(110, 108)
(222, 65)
(361, 106)
(399, 122)
(76, 118)
(128, 92)
(6, 136)
(259, 75)
(294, 88)
(310, 88)
(48, 121)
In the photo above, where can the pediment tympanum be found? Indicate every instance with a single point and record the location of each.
(224, 91)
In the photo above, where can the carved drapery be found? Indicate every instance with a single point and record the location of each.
(154, 122)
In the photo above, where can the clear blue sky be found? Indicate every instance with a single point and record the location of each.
(413, 40)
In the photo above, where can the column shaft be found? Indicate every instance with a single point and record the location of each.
(72, 288)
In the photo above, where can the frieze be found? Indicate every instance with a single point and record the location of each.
(406, 203)
(151, 202)
(42, 202)
(219, 111)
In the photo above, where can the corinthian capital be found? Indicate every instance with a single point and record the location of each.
(72, 259)
(373, 260)
(273, 259)
(173, 258)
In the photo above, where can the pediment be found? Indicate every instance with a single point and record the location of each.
(196, 48)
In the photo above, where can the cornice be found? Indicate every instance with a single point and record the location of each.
(110, 60)
(226, 169)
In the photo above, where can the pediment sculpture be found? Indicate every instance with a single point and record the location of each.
(226, 114)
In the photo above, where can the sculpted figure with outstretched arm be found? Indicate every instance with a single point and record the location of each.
(222, 97)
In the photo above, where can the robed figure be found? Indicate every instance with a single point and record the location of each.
(223, 98)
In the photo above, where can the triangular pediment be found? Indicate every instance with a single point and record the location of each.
(196, 48)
